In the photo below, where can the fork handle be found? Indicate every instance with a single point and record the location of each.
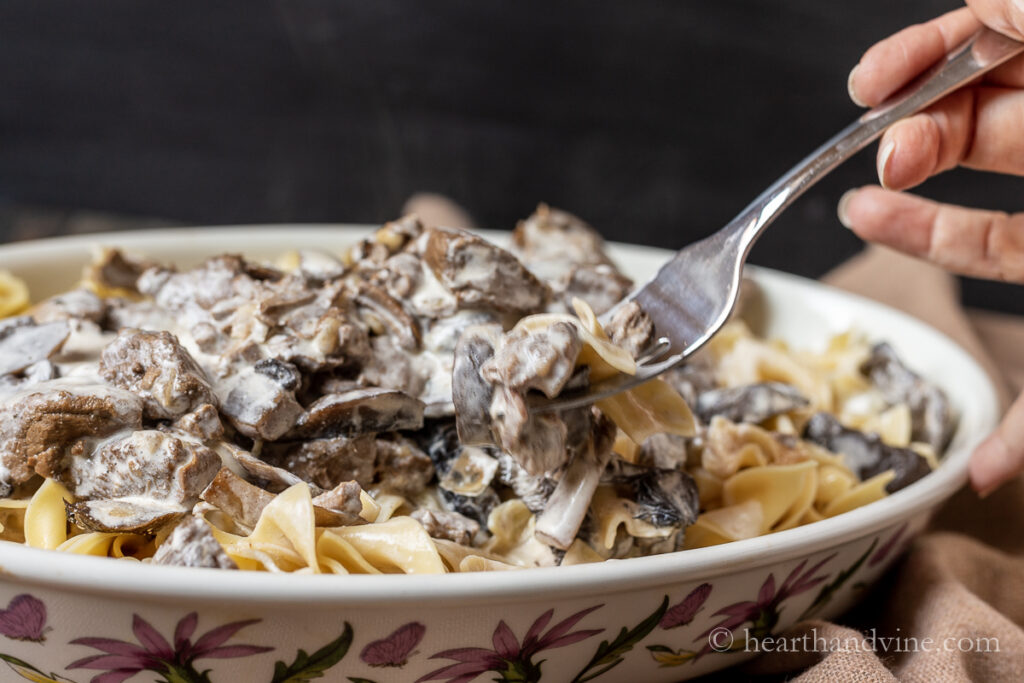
(982, 52)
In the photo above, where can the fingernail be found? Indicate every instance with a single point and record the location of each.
(841, 209)
(849, 87)
(883, 160)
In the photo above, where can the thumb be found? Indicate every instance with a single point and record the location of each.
(1001, 456)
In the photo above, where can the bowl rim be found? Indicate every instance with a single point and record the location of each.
(101, 576)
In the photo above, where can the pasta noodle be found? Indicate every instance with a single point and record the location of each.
(13, 294)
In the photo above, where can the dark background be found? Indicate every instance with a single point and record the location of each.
(655, 121)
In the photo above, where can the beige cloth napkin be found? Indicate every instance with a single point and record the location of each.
(964, 578)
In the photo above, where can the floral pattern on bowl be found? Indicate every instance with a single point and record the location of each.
(184, 655)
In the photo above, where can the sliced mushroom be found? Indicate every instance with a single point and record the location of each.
(391, 367)
(664, 451)
(471, 393)
(113, 269)
(537, 440)
(157, 368)
(866, 454)
(122, 515)
(192, 544)
(377, 306)
(265, 475)
(932, 419)
(23, 342)
(533, 490)
(753, 403)
(285, 299)
(360, 411)
(664, 497)
(283, 373)
(480, 274)
(34, 374)
(470, 472)
(477, 507)
(566, 508)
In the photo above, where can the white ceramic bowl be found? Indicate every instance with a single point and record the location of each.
(653, 619)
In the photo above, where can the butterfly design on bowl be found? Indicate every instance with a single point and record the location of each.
(395, 649)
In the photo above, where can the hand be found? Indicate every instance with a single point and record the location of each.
(981, 127)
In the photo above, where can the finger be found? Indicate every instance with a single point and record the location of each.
(1004, 16)
(972, 127)
(988, 244)
(893, 62)
(933, 141)
(1001, 456)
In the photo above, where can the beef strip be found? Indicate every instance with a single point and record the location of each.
(142, 464)
(402, 467)
(447, 525)
(203, 423)
(601, 286)
(344, 499)
(542, 359)
(38, 429)
(551, 241)
(138, 482)
(192, 544)
(256, 404)
(631, 328)
(157, 368)
(326, 462)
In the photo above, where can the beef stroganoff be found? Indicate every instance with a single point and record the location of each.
(367, 413)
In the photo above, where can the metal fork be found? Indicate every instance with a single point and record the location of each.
(692, 295)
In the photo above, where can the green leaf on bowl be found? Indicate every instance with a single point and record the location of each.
(610, 654)
(307, 667)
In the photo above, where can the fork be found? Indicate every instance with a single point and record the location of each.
(692, 295)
